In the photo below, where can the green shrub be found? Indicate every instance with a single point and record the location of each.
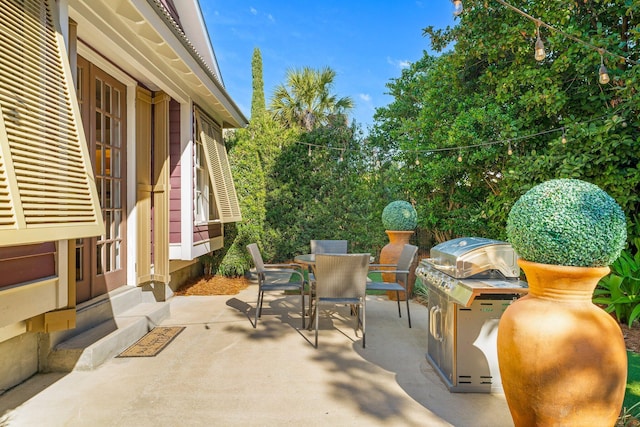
(567, 222)
(399, 216)
(619, 291)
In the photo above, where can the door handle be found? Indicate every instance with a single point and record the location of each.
(438, 324)
(435, 320)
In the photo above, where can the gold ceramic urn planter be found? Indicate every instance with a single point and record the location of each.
(562, 359)
(399, 219)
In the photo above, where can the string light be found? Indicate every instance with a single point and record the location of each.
(509, 150)
(309, 153)
(458, 10)
(480, 144)
(457, 7)
(540, 53)
(417, 161)
(603, 74)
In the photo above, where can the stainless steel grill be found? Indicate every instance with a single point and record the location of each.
(471, 281)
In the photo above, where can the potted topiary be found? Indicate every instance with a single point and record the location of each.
(399, 219)
(562, 359)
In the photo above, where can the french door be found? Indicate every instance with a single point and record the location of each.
(101, 261)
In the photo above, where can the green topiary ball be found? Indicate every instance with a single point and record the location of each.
(399, 216)
(567, 222)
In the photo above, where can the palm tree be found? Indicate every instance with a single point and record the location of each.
(305, 99)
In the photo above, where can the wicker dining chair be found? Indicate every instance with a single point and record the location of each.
(342, 279)
(324, 247)
(401, 272)
(276, 277)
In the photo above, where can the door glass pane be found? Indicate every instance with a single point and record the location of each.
(99, 268)
(108, 225)
(116, 224)
(108, 202)
(100, 190)
(79, 263)
(116, 102)
(107, 98)
(117, 196)
(117, 173)
(98, 93)
(108, 256)
(98, 127)
(107, 129)
(107, 161)
(99, 160)
(116, 261)
(115, 135)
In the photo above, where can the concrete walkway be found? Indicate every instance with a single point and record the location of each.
(220, 371)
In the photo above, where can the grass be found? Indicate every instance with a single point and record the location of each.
(632, 393)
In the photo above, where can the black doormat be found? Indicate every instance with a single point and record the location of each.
(153, 342)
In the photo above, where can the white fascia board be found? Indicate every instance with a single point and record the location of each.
(195, 28)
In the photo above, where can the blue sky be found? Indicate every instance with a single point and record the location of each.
(367, 43)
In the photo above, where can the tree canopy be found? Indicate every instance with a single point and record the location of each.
(456, 117)
(306, 99)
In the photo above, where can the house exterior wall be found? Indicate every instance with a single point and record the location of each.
(27, 263)
(134, 43)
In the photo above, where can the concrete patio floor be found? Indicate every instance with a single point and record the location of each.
(220, 371)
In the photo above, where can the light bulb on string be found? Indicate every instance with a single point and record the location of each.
(457, 7)
(540, 53)
(564, 136)
(603, 73)
(417, 160)
(341, 156)
(509, 150)
(460, 157)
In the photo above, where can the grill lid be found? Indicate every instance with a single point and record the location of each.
(475, 257)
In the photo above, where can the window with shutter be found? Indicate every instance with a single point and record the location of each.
(47, 189)
(215, 156)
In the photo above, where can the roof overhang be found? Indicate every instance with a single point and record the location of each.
(146, 45)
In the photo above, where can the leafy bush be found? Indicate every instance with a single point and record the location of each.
(399, 216)
(567, 222)
(620, 290)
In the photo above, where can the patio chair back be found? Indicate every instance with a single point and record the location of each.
(329, 246)
(404, 263)
(257, 257)
(341, 276)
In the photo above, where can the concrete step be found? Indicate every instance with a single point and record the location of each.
(90, 348)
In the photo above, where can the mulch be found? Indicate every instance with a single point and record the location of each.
(213, 285)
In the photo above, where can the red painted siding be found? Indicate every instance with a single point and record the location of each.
(19, 264)
(206, 232)
(175, 171)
